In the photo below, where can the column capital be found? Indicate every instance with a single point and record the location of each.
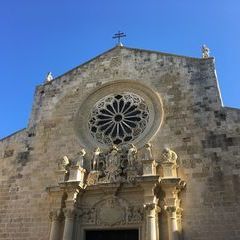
(72, 191)
(152, 206)
(173, 209)
(170, 209)
(56, 215)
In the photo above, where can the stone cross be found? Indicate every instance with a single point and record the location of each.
(119, 35)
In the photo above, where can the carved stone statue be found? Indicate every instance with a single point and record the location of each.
(112, 170)
(118, 164)
(49, 77)
(113, 156)
(169, 156)
(147, 152)
(95, 160)
(80, 158)
(205, 51)
(169, 163)
(132, 152)
(64, 163)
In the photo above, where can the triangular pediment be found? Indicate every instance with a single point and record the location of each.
(117, 51)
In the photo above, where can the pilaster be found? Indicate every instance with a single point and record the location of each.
(171, 204)
(150, 186)
(72, 190)
(69, 213)
(151, 219)
(56, 217)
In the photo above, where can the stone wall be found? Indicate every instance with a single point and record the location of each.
(204, 134)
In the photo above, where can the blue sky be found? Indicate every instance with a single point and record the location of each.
(57, 35)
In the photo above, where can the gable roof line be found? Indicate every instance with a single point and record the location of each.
(82, 64)
(12, 134)
(167, 54)
(129, 48)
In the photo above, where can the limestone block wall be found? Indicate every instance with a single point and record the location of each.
(204, 134)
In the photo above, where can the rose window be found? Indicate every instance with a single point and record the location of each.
(118, 118)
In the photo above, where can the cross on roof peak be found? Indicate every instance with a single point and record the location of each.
(119, 35)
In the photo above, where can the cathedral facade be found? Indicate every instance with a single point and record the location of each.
(132, 145)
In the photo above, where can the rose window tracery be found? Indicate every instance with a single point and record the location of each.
(118, 118)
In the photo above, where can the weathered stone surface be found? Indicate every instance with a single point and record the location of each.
(204, 134)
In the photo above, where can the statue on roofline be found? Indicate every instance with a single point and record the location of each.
(49, 77)
(205, 51)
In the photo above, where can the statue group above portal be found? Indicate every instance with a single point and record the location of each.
(118, 164)
(114, 165)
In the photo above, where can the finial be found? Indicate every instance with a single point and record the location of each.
(119, 35)
(49, 77)
(205, 51)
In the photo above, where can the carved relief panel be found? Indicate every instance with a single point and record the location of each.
(110, 212)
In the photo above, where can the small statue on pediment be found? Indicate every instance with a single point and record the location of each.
(112, 169)
(80, 158)
(95, 160)
(132, 154)
(64, 163)
(113, 156)
(147, 152)
(168, 156)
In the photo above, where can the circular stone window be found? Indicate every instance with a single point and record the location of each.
(118, 118)
(119, 112)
